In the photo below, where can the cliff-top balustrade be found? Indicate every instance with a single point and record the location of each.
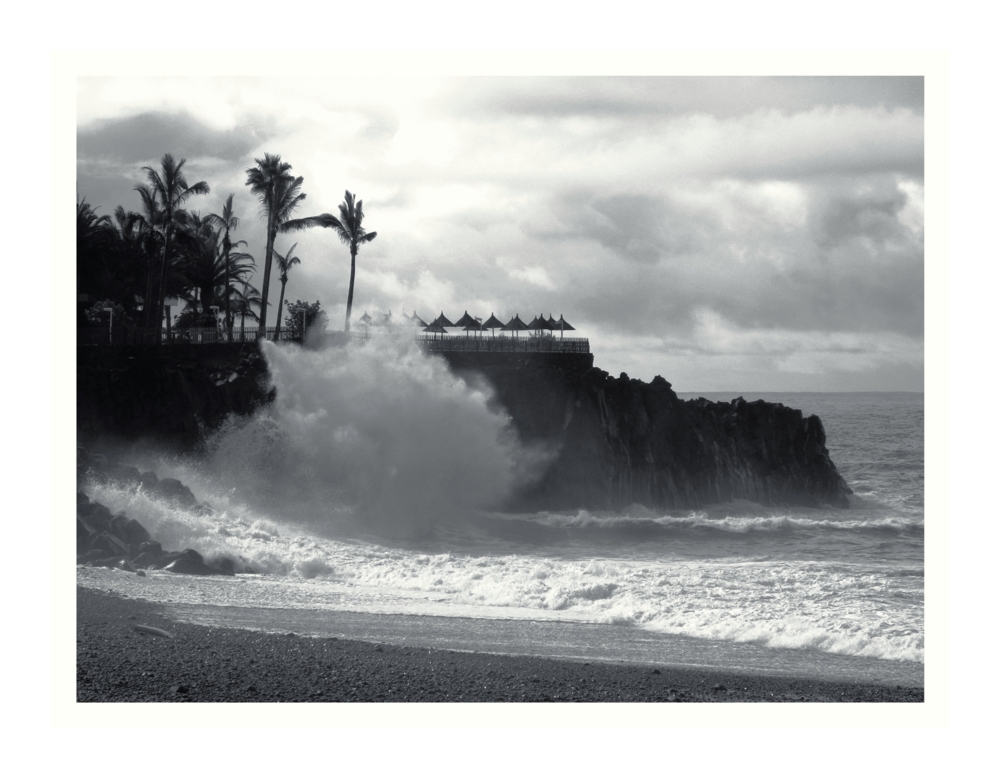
(138, 336)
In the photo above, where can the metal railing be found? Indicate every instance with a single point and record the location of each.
(146, 336)
(142, 336)
(460, 343)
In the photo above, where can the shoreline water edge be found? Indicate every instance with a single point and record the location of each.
(128, 651)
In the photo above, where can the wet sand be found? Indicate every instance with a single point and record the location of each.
(118, 662)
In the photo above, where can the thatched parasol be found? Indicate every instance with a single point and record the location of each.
(467, 323)
(434, 327)
(443, 321)
(492, 323)
(514, 325)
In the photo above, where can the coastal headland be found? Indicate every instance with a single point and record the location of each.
(616, 441)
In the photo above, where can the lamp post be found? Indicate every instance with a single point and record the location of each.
(111, 323)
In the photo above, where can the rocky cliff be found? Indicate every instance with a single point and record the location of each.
(615, 441)
(621, 441)
(171, 394)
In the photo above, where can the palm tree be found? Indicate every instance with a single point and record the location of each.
(284, 265)
(171, 190)
(227, 222)
(207, 271)
(243, 302)
(148, 222)
(279, 195)
(95, 237)
(348, 229)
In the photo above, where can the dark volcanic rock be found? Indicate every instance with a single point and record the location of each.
(172, 393)
(621, 441)
(173, 490)
(193, 567)
(614, 441)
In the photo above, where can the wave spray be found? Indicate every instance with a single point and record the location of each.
(378, 437)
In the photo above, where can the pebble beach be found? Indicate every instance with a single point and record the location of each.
(123, 656)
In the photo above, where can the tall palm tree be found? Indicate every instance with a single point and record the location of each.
(348, 229)
(284, 265)
(279, 194)
(227, 222)
(171, 190)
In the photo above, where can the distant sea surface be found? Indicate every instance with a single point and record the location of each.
(822, 593)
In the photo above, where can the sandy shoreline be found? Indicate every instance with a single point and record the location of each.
(116, 662)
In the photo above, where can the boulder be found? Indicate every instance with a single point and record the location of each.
(90, 556)
(167, 558)
(173, 490)
(192, 567)
(128, 530)
(145, 560)
(149, 481)
(110, 545)
(122, 474)
(152, 548)
(224, 564)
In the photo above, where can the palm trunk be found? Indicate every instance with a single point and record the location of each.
(267, 275)
(229, 322)
(281, 303)
(147, 308)
(162, 292)
(350, 291)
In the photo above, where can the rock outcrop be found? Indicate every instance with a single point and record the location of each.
(115, 541)
(620, 441)
(171, 394)
(617, 441)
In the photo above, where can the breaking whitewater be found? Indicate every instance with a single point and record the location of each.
(365, 499)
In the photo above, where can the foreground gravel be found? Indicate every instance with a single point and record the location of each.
(118, 662)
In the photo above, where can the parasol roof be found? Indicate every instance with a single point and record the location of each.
(365, 319)
(417, 321)
(563, 324)
(434, 327)
(538, 323)
(443, 321)
(515, 324)
(553, 324)
(492, 322)
(466, 321)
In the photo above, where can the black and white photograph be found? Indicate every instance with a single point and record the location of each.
(500, 388)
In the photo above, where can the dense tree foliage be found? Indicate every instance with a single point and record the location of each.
(314, 315)
(135, 260)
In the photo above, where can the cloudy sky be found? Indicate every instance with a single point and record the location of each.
(728, 233)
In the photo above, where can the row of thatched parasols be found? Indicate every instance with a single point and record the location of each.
(472, 324)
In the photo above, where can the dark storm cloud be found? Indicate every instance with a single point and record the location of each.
(145, 136)
(658, 96)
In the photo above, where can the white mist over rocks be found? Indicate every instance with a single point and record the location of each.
(375, 436)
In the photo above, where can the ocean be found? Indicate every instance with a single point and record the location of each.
(365, 503)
